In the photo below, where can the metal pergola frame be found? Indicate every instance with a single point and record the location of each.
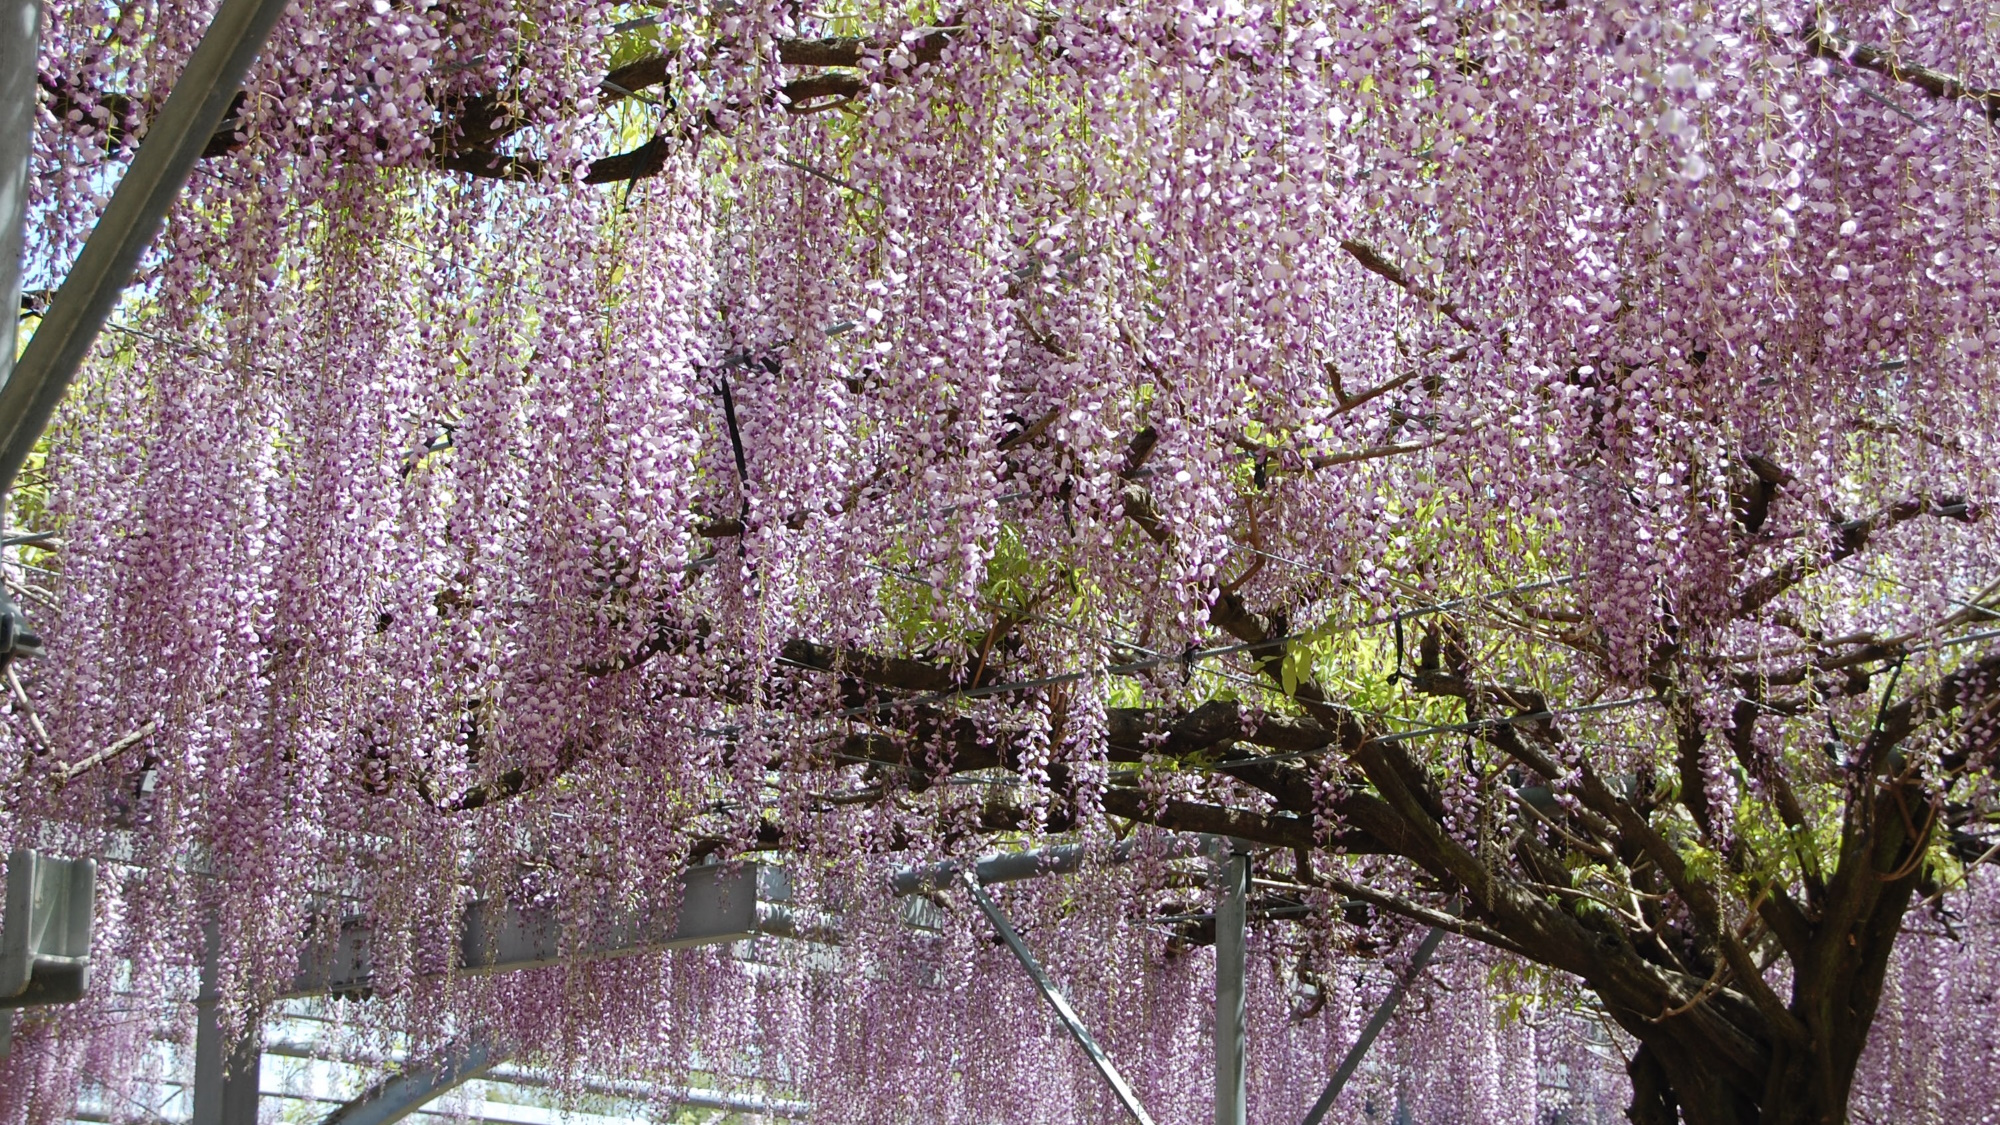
(730, 902)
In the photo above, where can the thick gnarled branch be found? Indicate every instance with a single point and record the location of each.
(1826, 45)
(1850, 537)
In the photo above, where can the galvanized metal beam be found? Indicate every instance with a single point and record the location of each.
(1056, 1000)
(20, 38)
(718, 903)
(1374, 1028)
(1231, 906)
(1012, 867)
(1007, 867)
(407, 1091)
(174, 141)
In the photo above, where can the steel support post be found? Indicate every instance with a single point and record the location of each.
(1374, 1028)
(174, 141)
(20, 38)
(1230, 908)
(1055, 998)
(225, 1078)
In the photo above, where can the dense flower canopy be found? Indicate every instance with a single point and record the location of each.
(554, 442)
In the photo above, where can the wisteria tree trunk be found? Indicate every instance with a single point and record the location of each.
(1727, 1063)
(1687, 971)
(1717, 1044)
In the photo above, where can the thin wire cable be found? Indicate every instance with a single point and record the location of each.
(1158, 659)
(1471, 726)
(1121, 669)
(1981, 610)
(1423, 610)
(1955, 641)
(1101, 638)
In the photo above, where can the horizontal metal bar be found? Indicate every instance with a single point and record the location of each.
(1012, 867)
(718, 903)
(1004, 868)
(690, 1096)
(499, 1070)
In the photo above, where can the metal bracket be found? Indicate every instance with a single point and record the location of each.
(44, 933)
(17, 635)
(1056, 1000)
(45, 938)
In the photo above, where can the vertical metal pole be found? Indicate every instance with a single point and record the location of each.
(1376, 1023)
(225, 1082)
(174, 141)
(1056, 1001)
(1404, 1115)
(1230, 908)
(20, 37)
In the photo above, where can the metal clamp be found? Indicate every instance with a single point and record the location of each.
(45, 937)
